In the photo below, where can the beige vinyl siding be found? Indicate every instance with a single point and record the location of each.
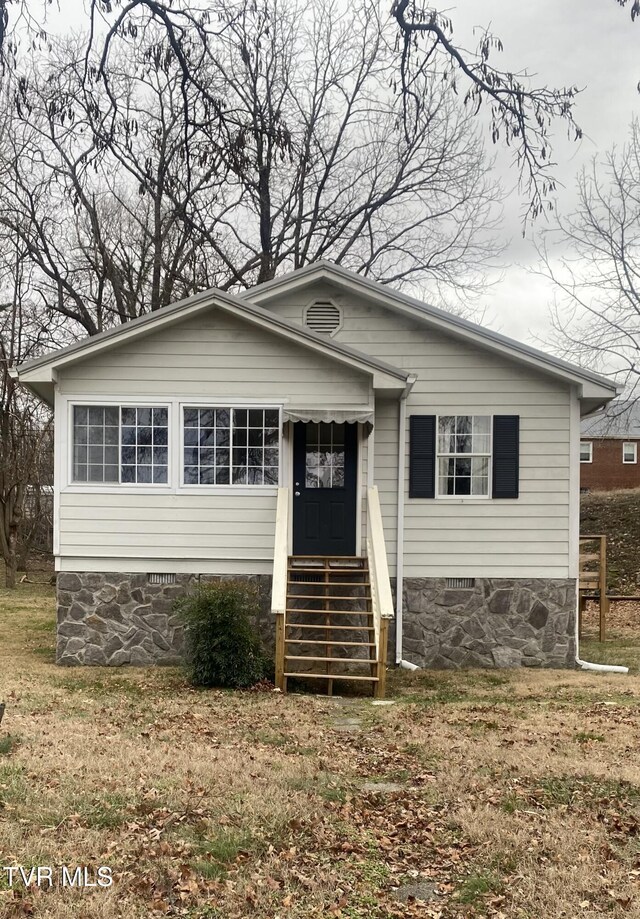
(151, 525)
(527, 537)
(218, 356)
(215, 358)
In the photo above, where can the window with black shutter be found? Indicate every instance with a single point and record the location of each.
(422, 456)
(506, 456)
(452, 455)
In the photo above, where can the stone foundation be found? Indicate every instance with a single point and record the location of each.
(496, 623)
(112, 619)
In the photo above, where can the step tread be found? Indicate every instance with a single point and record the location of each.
(321, 625)
(317, 597)
(352, 558)
(333, 676)
(330, 583)
(330, 612)
(329, 641)
(341, 569)
(334, 660)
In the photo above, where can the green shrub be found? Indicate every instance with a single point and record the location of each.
(221, 644)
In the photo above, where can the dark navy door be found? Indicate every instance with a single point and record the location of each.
(325, 472)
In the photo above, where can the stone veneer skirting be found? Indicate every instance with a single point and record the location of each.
(497, 623)
(116, 618)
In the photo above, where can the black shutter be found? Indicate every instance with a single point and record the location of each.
(422, 456)
(506, 456)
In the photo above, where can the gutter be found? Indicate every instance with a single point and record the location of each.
(402, 424)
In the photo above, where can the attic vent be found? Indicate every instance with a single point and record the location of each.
(461, 583)
(323, 316)
(161, 578)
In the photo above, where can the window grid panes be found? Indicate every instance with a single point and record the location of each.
(629, 452)
(144, 450)
(231, 446)
(95, 443)
(114, 444)
(464, 455)
(586, 451)
(324, 465)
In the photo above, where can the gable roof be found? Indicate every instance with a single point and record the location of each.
(40, 374)
(593, 386)
(595, 390)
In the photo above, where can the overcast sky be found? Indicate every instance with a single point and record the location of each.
(589, 43)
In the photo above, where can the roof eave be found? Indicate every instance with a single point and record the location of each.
(43, 370)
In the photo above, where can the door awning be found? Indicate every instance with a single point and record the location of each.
(340, 416)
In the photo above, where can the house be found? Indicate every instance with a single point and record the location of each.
(609, 449)
(325, 431)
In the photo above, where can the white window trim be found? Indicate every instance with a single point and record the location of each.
(120, 403)
(634, 445)
(588, 443)
(64, 484)
(466, 498)
(225, 489)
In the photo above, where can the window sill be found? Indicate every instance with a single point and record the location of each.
(464, 499)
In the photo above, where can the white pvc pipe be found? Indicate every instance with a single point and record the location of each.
(587, 665)
(601, 668)
(407, 665)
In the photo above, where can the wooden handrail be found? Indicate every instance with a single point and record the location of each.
(381, 596)
(279, 578)
(280, 554)
(378, 555)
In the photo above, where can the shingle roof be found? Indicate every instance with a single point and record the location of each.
(619, 419)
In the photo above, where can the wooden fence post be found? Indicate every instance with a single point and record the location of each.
(604, 600)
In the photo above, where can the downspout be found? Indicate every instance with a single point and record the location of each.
(402, 424)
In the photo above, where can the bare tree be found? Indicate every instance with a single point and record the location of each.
(593, 257)
(119, 214)
(322, 167)
(25, 425)
(520, 115)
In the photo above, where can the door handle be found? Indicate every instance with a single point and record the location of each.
(297, 494)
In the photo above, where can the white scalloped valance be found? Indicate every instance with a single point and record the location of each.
(326, 415)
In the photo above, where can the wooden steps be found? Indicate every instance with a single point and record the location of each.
(318, 590)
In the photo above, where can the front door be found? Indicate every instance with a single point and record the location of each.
(325, 470)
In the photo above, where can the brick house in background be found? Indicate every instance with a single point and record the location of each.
(609, 450)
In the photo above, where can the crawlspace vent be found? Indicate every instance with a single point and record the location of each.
(460, 583)
(323, 316)
(161, 578)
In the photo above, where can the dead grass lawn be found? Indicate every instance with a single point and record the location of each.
(518, 794)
